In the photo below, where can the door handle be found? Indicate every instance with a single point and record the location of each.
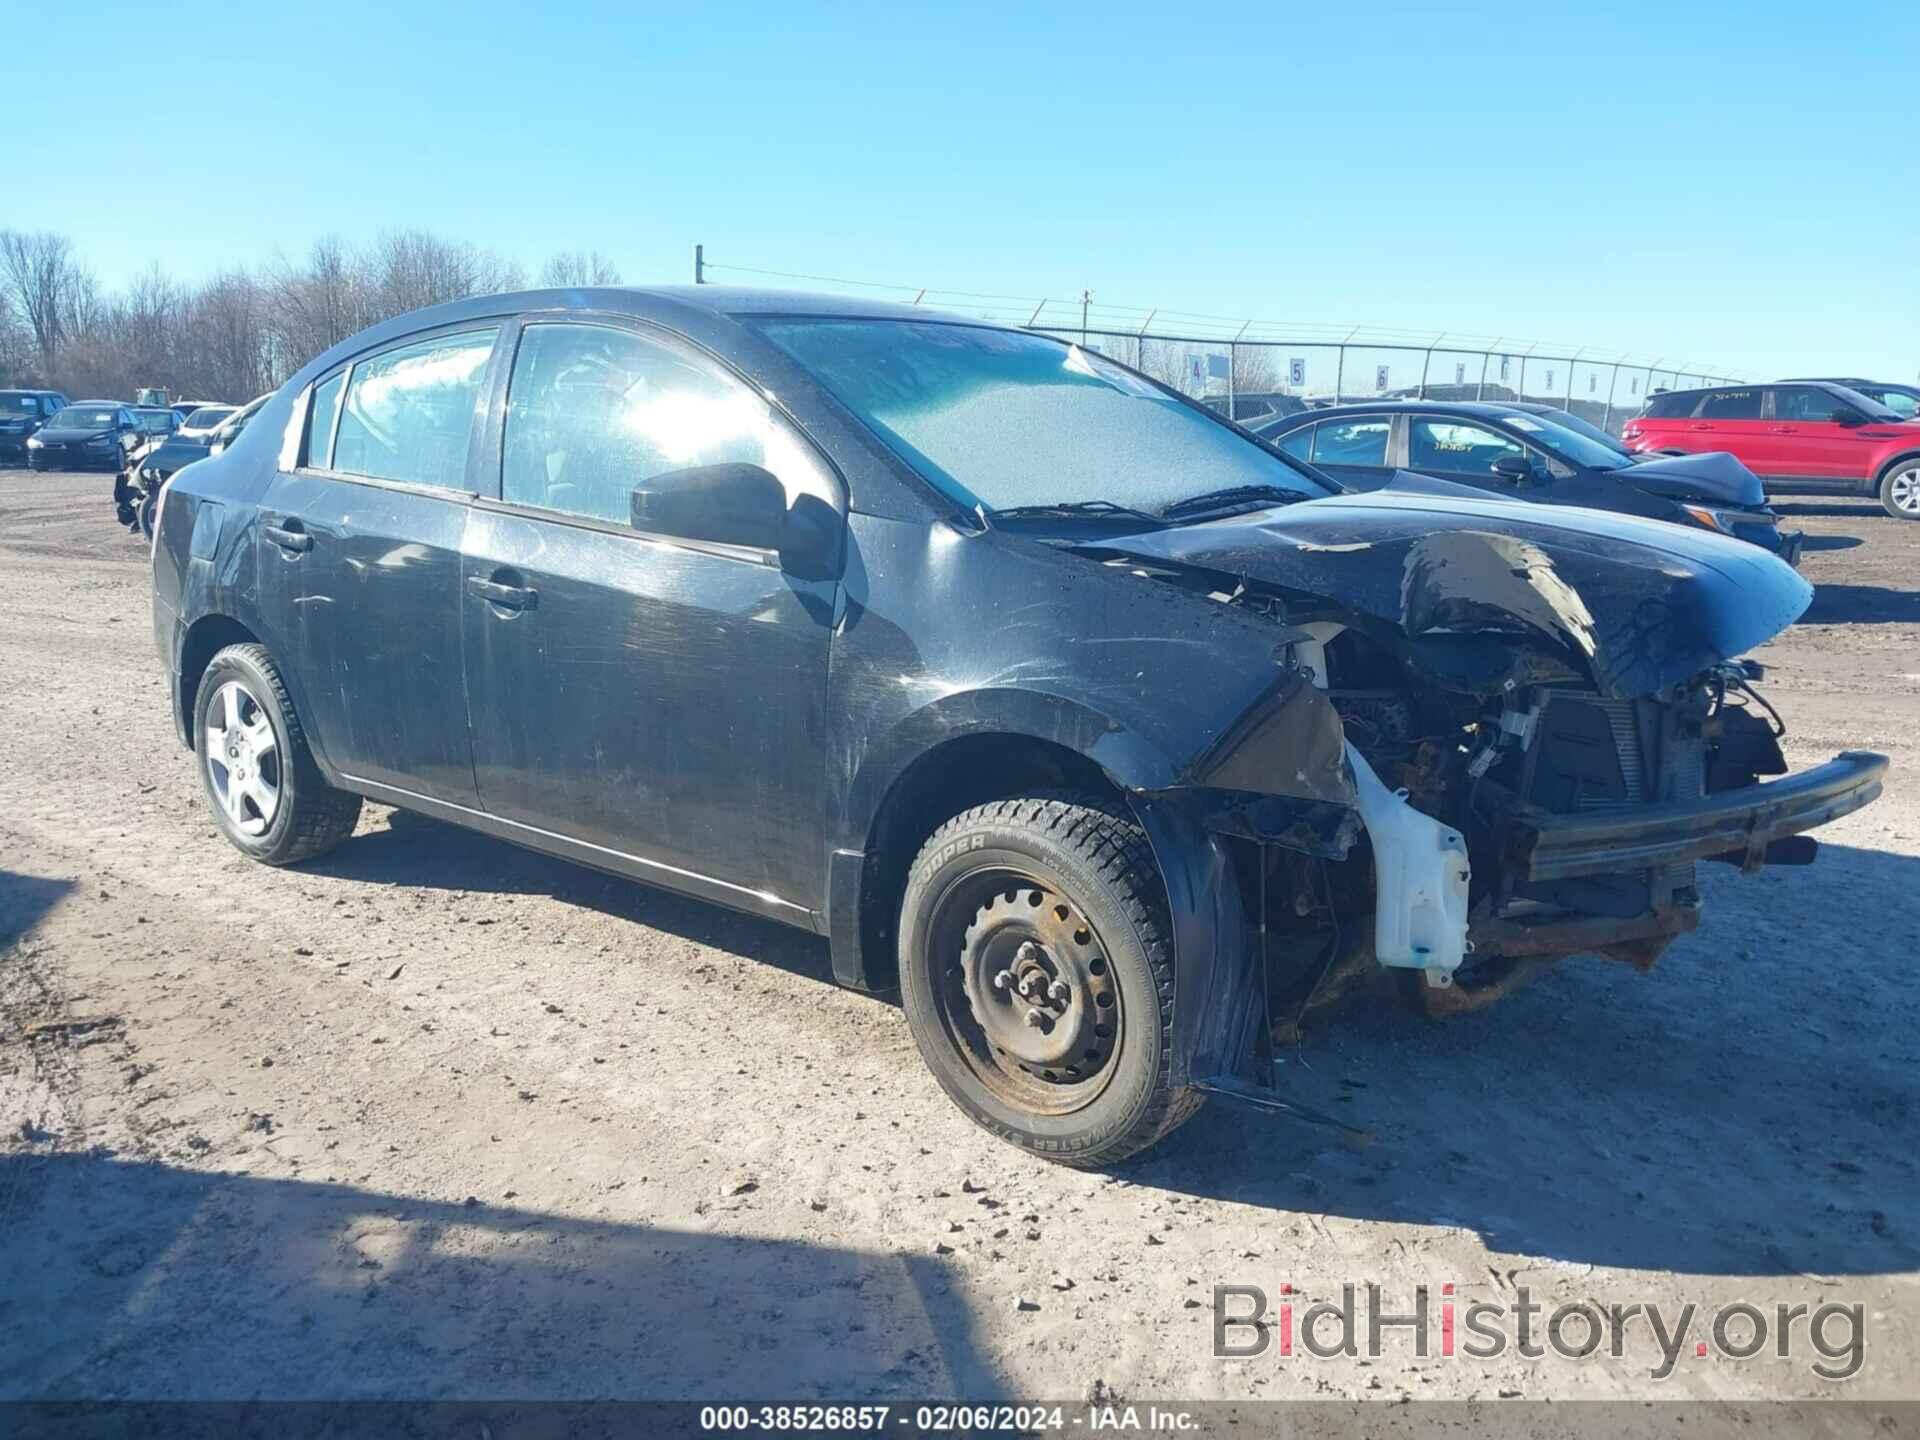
(296, 542)
(1699, 427)
(1783, 430)
(507, 597)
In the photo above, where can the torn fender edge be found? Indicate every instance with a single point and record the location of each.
(1217, 1005)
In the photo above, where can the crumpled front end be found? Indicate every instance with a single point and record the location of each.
(1544, 726)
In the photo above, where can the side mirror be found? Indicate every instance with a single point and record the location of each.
(1513, 467)
(739, 504)
(1852, 419)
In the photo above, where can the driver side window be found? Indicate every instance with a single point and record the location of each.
(1455, 447)
(1808, 405)
(593, 411)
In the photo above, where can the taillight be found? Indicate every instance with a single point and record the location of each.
(159, 514)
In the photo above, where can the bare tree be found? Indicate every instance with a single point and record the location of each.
(579, 267)
(40, 273)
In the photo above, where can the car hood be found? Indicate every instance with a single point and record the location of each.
(1638, 604)
(69, 435)
(1716, 477)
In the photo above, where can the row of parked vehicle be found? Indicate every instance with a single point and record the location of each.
(141, 444)
(1107, 734)
(1706, 457)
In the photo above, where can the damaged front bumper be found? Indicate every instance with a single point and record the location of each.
(1733, 825)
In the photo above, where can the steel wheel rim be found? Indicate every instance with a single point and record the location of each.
(243, 759)
(994, 928)
(1904, 491)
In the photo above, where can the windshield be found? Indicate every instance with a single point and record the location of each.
(1566, 420)
(154, 420)
(1000, 419)
(206, 417)
(82, 417)
(1866, 404)
(1570, 445)
(17, 402)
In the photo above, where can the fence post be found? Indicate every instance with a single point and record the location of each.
(1425, 366)
(1340, 372)
(1480, 390)
(1606, 422)
(699, 264)
(1233, 358)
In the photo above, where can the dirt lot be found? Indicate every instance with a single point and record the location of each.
(435, 1116)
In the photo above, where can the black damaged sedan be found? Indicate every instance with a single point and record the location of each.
(1102, 732)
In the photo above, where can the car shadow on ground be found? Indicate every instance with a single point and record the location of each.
(1864, 508)
(24, 900)
(415, 851)
(1831, 542)
(1862, 605)
(145, 1281)
(1747, 1108)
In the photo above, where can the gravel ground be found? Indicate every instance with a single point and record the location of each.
(435, 1116)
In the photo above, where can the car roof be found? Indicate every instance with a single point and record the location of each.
(1485, 409)
(113, 404)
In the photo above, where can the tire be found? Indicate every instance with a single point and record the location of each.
(283, 810)
(1058, 887)
(1900, 488)
(148, 502)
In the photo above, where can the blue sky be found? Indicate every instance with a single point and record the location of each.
(1731, 183)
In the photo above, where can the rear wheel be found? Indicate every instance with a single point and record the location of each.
(1036, 971)
(1900, 488)
(267, 795)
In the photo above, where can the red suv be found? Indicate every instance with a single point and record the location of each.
(1812, 437)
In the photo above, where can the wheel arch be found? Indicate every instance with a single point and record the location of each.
(205, 638)
(1888, 465)
(949, 759)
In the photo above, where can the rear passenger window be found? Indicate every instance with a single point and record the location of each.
(1731, 405)
(326, 406)
(593, 411)
(1351, 442)
(1298, 443)
(409, 412)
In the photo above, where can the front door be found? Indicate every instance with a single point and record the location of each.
(1811, 442)
(359, 564)
(658, 703)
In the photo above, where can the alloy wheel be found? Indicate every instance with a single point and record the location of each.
(243, 759)
(1903, 491)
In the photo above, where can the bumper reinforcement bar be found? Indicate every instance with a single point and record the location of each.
(1738, 824)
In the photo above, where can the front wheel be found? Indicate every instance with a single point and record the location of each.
(1900, 489)
(1036, 972)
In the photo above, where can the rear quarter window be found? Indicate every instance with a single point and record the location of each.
(1669, 407)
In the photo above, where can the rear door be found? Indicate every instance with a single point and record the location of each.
(1811, 442)
(1357, 450)
(359, 562)
(657, 703)
(1731, 420)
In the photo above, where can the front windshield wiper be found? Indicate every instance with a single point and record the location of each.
(1232, 498)
(1079, 510)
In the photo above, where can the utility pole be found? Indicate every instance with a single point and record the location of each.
(1086, 298)
(699, 264)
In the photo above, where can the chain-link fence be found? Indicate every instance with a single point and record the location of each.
(1249, 369)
